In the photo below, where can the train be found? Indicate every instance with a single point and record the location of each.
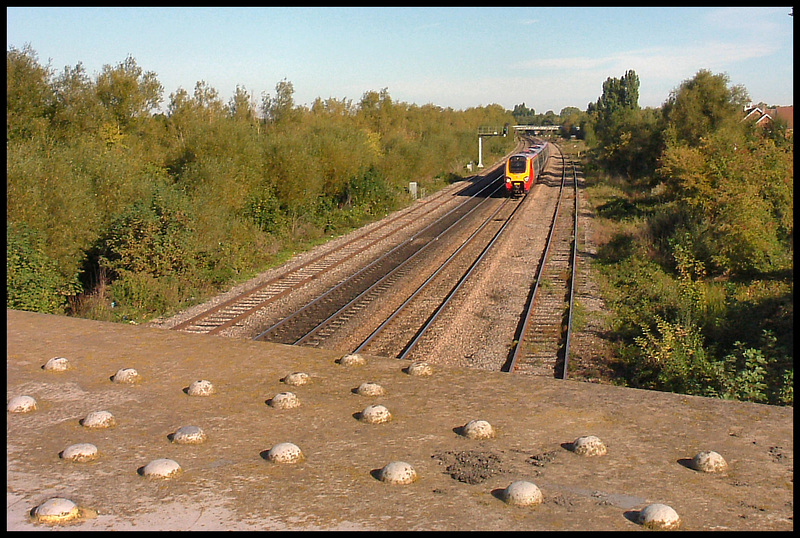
(524, 168)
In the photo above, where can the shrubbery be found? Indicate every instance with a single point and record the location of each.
(699, 268)
(117, 211)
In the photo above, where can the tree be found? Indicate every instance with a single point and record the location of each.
(28, 93)
(240, 107)
(207, 102)
(523, 115)
(279, 108)
(702, 105)
(629, 138)
(76, 107)
(619, 96)
(128, 92)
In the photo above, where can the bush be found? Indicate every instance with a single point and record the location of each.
(32, 279)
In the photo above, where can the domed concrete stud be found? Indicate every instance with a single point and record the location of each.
(200, 388)
(80, 453)
(523, 493)
(659, 516)
(57, 364)
(99, 419)
(162, 468)
(370, 389)
(21, 404)
(589, 445)
(285, 400)
(126, 375)
(397, 472)
(285, 453)
(419, 368)
(56, 510)
(189, 435)
(297, 379)
(353, 359)
(709, 461)
(478, 429)
(375, 414)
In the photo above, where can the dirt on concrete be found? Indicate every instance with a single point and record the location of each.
(228, 482)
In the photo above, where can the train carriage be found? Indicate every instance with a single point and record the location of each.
(524, 168)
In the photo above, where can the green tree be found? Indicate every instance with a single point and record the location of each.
(33, 281)
(29, 96)
(128, 92)
(240, 107)
(279, 108)
(702, 105)
(76, 108)
(619, 95)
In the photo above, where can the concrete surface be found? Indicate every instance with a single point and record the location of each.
(228, 483)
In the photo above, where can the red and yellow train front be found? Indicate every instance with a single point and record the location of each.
(519, 174)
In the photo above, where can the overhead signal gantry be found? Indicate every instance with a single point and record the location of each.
(497, 131)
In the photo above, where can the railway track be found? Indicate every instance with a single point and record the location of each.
(232, 314)
(233, 311)
(324, 317)
(421, 309)
(542, 343)
(411, 267)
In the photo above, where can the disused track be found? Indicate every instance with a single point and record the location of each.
(542, 345)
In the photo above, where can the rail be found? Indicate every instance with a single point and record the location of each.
(517, 345)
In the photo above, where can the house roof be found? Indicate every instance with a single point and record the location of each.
(767, 115)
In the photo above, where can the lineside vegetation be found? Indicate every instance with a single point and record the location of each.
(119, 211)
(697, 265)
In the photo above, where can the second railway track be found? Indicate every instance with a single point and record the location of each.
(417, 285)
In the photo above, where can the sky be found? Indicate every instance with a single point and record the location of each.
(456, 57)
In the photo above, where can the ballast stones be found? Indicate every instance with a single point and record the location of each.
(297, 379)
(370, 389)
(126, 375)
(21, 404)
(80, 453)
(397, 472)
(284, 400)
(522, 493)
(56, 510)
(589, 445)
(709, 461)
(99, 419)
(161, 468)
(57, 364)
(375, 414)
(353, 359)
(659, 516)
(478, 429)
(419, 368)
(189, 435)
(201, 387)
(285, 453)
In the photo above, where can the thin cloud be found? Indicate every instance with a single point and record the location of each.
(660, 62)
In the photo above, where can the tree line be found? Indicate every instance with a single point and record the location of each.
(698, 265)
(119, 211)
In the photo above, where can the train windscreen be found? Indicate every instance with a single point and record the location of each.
(517, 164)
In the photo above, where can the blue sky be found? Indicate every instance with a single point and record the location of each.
(547, 58)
